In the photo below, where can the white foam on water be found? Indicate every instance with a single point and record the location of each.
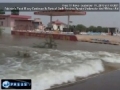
(105, 56)
(48, 69)
(46, 80)
(110, 57)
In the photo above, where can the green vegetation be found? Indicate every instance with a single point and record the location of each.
(15, 11)
(23, 54)
(2, 11)
(82, 28)
(49, 43)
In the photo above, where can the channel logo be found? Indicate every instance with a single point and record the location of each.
(16, 84)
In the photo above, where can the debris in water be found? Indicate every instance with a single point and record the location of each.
(49, 43)
(24, 54)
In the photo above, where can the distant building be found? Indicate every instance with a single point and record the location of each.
(21, 22)
(38, 25)
(113, 30)
(57, 25)
(9, 20)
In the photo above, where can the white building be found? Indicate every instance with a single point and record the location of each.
(57, 25)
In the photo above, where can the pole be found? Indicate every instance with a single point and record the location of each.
(108, 30)
(116, 30)
(68, 21)
(50, 18)
(51, 22)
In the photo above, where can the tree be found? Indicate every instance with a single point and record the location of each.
(99, 29)
(81, 27)
(71, 26)
(2, 11)
(87, 29)
(92, 29)
(105, 29)
(15, 11)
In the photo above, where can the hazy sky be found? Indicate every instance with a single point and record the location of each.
(110, 19)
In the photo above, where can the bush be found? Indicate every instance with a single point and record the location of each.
(23, 54)
(2, 11)
(49, 43)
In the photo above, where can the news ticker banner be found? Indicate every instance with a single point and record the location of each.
(16, 84)
(60, 6)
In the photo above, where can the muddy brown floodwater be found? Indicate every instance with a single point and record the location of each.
(62, 45)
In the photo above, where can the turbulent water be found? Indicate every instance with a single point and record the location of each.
(49, 67)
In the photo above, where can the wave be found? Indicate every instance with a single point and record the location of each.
(51, 67)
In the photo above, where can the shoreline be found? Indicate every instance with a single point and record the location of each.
(108, 37)
(100, 39)
(108, 81)
(109, 68)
